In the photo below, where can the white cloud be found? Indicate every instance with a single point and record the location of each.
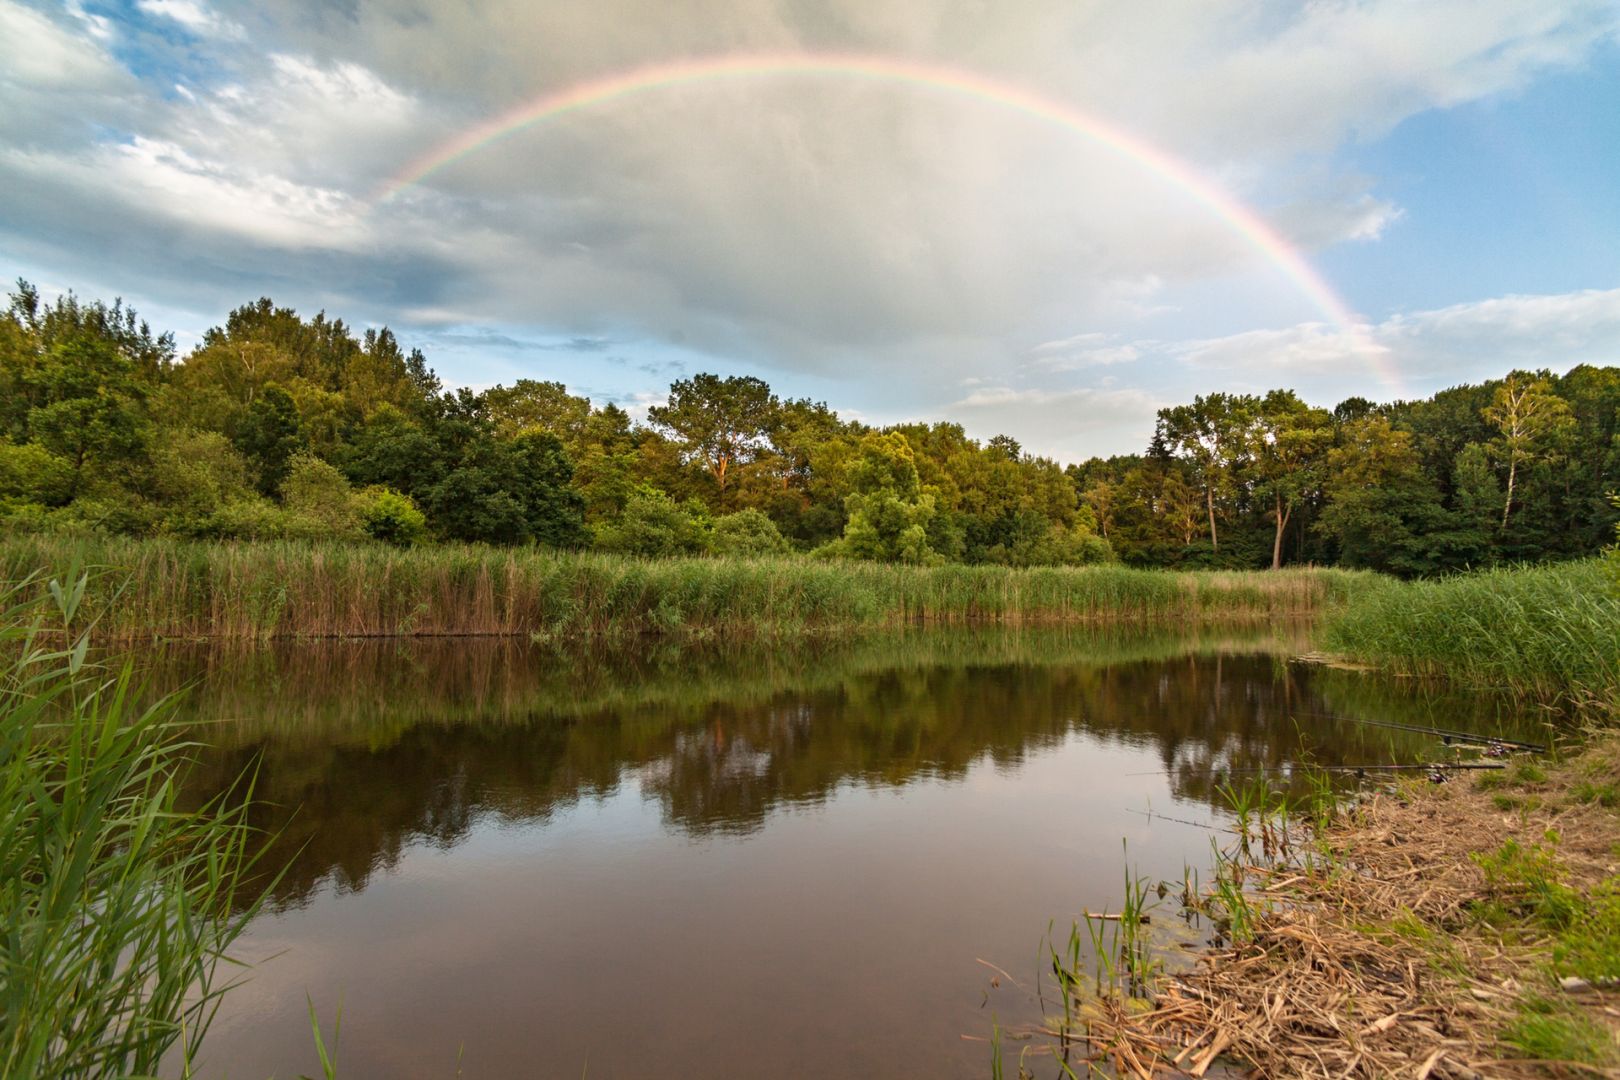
(1065, 424)
(195, 16)
(37, 53)
(1083, 351)
(97, 26)
(164, 179)
(1554, 331)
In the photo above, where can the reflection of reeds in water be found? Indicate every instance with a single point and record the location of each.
(266, 590)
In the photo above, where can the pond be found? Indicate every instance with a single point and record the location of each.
(510, 860)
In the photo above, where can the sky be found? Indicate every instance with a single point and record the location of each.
(1048, 218)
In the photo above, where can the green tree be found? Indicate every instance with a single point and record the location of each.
(269, 434)
(719, 423)
(316, 493)
(1210, 434)
(531, 405)
(889, 512)
(1383, 511)
(1287, 442)
(1526, 414)
(1477, 495)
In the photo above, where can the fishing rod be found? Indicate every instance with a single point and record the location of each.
(1305, 768)
(1447, 736)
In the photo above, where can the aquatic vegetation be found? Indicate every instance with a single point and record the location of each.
(291, 589)
(1546, 633)
(117, 905)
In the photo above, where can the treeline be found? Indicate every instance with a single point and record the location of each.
(1517, 469)
(278, 426)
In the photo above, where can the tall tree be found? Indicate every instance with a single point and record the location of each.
(1383, 511)
(720, 423)
(1477, 494)
(1287, 441)
(1525, 413)
(889, 512)
(1210, 435)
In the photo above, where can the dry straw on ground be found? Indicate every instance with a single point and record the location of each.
(1373, 962)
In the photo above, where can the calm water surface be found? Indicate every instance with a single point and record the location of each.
(726, 862)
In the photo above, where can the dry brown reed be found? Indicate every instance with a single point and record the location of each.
(1373, 961)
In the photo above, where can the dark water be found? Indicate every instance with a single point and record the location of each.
(726, 862)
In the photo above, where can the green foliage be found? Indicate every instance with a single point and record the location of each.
(1478, 494)
(317, 493)
(118, 906)
(720, 423)
(1382, 510)
(1548, 1030)
(889, 513)
(1552, 633)
(92, 404)
(655, 525)
(747, 532)
(32, 474)
(1526, 880)
(390, 516)
(1611, 554)
(269, 434)
(1590, 947)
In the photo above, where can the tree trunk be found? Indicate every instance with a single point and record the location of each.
(1214, 543)
(1276, 545)
(1513, 468)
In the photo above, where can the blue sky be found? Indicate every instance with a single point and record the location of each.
(1513, 193)
(901, 254)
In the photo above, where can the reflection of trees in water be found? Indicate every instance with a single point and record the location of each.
(440, 737)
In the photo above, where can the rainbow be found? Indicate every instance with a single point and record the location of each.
(1243, 221)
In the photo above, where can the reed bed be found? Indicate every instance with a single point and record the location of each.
(1550, 633)
(289, 589)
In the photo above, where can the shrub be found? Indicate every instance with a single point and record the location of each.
(31, 474)
(391, 517)
(747, 532)
(653, 524)
(320, 495)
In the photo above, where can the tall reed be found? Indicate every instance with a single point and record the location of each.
(116, 907)
(1550, 633)
(286, 589)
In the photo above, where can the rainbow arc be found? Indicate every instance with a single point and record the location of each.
(1254, 230)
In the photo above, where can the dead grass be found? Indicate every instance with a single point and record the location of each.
(1417, 939)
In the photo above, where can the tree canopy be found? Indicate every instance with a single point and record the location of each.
(284, 425)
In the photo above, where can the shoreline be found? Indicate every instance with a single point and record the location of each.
(1462, 929)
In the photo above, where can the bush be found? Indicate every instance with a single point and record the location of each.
(391, 517)
(317, 493)
(31, 474)
(654, 525)
(747, 532)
